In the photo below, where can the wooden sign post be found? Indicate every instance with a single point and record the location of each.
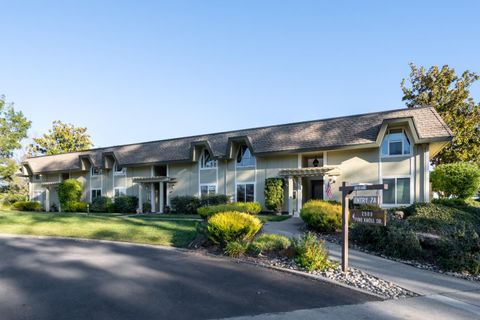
(346, 191)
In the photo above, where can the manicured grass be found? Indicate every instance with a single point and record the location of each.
(167, 216)
(272, 218)
(171, 233)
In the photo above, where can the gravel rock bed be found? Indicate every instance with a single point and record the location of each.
(355, 278)
(337, 238)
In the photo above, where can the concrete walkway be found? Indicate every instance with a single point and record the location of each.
(457, 294)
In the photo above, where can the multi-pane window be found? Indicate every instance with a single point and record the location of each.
(245, 192)
(396, 143)
(208, 189)
(96, 171)
(96, 193)
(118, 192)
(119, 170)
(245, 157)
(398, 191)
(206, 160)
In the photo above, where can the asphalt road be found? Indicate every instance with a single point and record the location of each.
(69, 279)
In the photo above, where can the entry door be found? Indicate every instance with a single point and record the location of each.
(317, 189)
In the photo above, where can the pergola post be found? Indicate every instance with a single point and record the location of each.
(152, 196)
(299, 195)
(140, 198)
(290, 195)
(47, 199)
(160, 196)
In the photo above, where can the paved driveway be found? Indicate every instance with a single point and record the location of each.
(69, 279)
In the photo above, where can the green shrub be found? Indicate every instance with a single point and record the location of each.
(459, 180)
(225, 227)
(274, 194)
(75, 206)
(27, 206)
(214, 200)
(236, 249)
(322, 215)
(126, 204)
(185, 204)
(269, 243)
(311, 253)
(69, 191)
(146, 207)
(401, 242)
(246, 207)
(100, 204)
(371, 237)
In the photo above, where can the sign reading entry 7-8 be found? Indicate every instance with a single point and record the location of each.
(346, 191)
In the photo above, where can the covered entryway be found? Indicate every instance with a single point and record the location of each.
(305, 184)
(155, 190)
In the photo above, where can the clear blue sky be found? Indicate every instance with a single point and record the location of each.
(144, 70)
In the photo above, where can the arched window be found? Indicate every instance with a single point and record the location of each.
(206, 160)
(245, 157)
(396, 143)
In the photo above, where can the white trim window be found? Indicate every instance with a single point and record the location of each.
(207, 161)
(245, 158)
(399, 191)
(245, 192)
(119, 170)
(95, 193)
(37, 177)
(96, 171)
(119, 192)
(396, 144)
(208, 189)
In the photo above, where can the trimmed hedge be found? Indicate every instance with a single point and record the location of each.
(214, 199)
(322, 215)
(274, 194)
(69, 192)
(246, 207)
(27, 206)
(185, 204)
(101, 204)
(226, 227)
(125, 204)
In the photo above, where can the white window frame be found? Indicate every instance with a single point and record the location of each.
(37, 177)
(123, 172)
(388, 155)
(208, 185)
(396, 204)
(95, 189)
(239, 164)
(122, 191)
(245, 184)
(202, 161)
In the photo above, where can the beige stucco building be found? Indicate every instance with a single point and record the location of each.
(392, 147)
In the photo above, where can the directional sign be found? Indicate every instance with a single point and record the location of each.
(375, 217)
(365, 200)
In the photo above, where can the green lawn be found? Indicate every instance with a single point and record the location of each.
(171, 233)
(167, 216)
(272, 218)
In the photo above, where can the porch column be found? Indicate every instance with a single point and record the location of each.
(140, 198)
(47, 199)
(160, 197)
(290, 195)
(299, 196)
(152, 196)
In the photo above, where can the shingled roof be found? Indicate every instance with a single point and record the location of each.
(324, 134)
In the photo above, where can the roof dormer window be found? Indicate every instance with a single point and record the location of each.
(206, 160)
(396, 143)
(119, 170)
(245, 157)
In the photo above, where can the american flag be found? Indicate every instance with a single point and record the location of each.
(328, 191)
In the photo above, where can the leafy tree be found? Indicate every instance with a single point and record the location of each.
(13, 128)
(460, 180)
(274, 194)
(449, 93)
(63, 137)
(69, 194)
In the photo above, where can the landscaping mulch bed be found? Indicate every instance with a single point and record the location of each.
(337, 239)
